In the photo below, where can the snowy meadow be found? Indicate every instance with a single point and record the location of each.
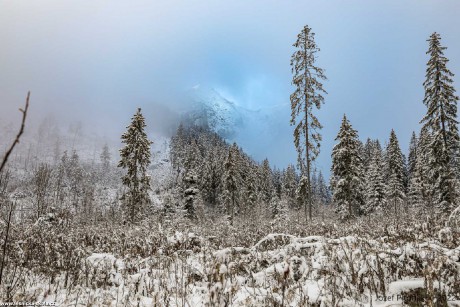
(182, 211)
(371, 262)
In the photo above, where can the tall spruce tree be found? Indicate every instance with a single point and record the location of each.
(266, 182)
(417, 191)
(414, 192)
(230, 184)
(250, 186)
(405, 173)
(135, 158)
(307, 79)
(412, 159)
(301, 191)
(395, 173)
(375, 187)
(190, 180)
(347, 172)
(277, 181)
(322, 190)
(212, 171)
(366, 153)
(289, 185)
(421, 184)
(441, 122)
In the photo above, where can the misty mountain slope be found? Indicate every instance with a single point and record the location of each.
(237, 124)
(210, 109)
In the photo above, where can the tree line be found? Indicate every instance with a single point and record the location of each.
(210, 175)
(366, 178)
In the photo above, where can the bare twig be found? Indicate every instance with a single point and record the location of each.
(16, 141)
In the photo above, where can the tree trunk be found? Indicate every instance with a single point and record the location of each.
(307, 149)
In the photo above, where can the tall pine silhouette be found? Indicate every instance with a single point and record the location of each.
(307, 79)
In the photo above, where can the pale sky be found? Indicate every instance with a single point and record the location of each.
(96, 61)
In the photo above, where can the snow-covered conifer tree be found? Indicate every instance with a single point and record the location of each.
(417, 193)
(412, 159)
(406, 173)
(135, 158)
(277, 181)
(289, 184)
(250, 187)
(420, 189)
(322, 190)
(230, 185)
(266, 182)
(395, 192)
(441, 122)
(211, 175)
(375, 186)
(277, 206)
(191, 194)
(367, 152)
(307, 79)
(347, 170)
(192, 165)
(301, 191)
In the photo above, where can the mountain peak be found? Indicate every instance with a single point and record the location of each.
(209, 108)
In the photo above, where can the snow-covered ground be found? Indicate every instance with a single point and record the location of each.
(159, 265)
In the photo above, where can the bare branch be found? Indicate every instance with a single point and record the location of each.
(16, 141)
